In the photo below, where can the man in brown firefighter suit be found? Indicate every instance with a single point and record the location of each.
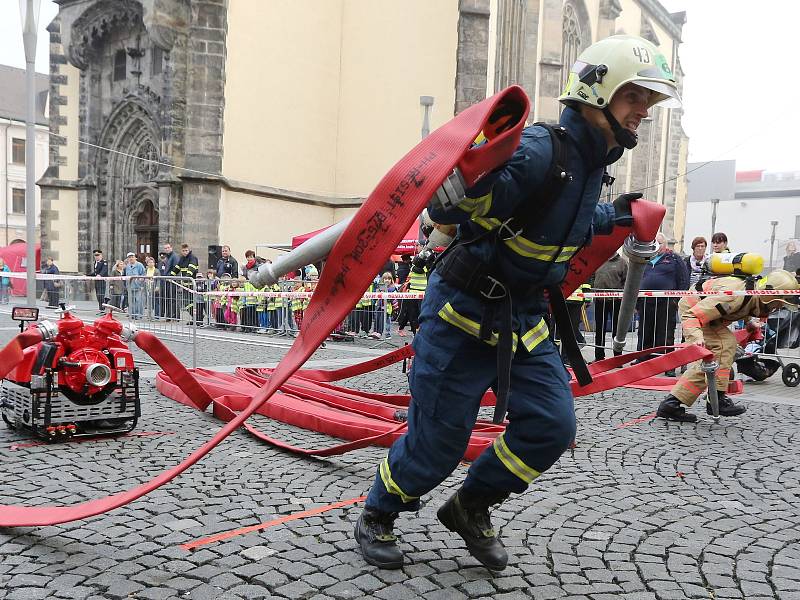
(705, 321)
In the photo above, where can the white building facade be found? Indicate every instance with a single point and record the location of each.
(12, 152)
(752, 207)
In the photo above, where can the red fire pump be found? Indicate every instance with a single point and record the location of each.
(80, 380)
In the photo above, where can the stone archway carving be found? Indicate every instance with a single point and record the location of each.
(89, 29)
(126, 173)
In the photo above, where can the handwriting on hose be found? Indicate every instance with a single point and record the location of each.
(368, 236)
(412, 177)
(578, 264)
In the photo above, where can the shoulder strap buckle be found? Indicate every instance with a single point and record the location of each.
(495, 290)
(508, 230)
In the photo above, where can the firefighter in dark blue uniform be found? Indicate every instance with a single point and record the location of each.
(610, 89)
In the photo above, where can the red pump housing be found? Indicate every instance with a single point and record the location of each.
(80, 380)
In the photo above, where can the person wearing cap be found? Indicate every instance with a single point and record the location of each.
(466, 316)
(135, 270)
(99, 271)
(705, 321)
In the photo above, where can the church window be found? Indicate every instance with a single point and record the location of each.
(158, 60)
(120, 65)
(571, 40)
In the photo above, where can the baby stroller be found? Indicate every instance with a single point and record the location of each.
(754, 347)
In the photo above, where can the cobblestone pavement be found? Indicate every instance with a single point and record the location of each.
(644, 510)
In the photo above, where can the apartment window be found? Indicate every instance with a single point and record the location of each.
(18, 201)
(18, 151)
(120, 65)
(158, 60)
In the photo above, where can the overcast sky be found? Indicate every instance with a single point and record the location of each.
(742, 86)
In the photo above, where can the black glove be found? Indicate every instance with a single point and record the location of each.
(622, 209)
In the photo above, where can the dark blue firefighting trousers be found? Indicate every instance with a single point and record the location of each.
(450, 373)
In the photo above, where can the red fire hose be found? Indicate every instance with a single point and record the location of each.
(370, 237)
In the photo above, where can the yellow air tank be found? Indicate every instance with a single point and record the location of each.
(746, 263)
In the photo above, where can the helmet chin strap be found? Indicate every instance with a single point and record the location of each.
(625, 138)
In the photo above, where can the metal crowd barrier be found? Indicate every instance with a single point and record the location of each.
(176, 307)
(656, 323)
(278, 312)
(162, 305)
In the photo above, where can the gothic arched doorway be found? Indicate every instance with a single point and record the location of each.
(146, 230)
(125, 175)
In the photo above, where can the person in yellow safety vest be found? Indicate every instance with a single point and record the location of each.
(575, 307)
(232, 306)
(249, 310)
(360, 318)
(296, 304)
(276, 313)
(409, 309)
(705, 321)
(262, 316)
(269, 305)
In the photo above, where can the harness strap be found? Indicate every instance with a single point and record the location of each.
(505, 354)
(463, 271)
(561, 315)
(538, 205)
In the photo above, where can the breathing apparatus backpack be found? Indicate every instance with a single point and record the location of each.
(745, 265)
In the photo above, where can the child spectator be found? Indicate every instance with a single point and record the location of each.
(384, 308)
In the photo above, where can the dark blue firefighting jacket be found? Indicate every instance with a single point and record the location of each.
(540, 256)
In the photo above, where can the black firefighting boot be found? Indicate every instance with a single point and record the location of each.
(469, 518)
(726, 406)
(672, 409)
(373, 533)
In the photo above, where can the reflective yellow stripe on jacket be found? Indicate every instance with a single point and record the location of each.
(528, 249)
(530, 339)
(477, 207)
(582, 289)
(513, 462)
(535, 336)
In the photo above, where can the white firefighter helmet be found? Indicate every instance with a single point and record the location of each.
(607, 65)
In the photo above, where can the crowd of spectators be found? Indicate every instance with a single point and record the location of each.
(656, 319)
(222, 296)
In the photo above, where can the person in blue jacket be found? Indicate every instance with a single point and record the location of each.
(658, 317)
(5, 282)
(487, 294)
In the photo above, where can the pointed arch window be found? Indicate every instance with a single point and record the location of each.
(158, 60)
(120, 65)
(571, 44)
